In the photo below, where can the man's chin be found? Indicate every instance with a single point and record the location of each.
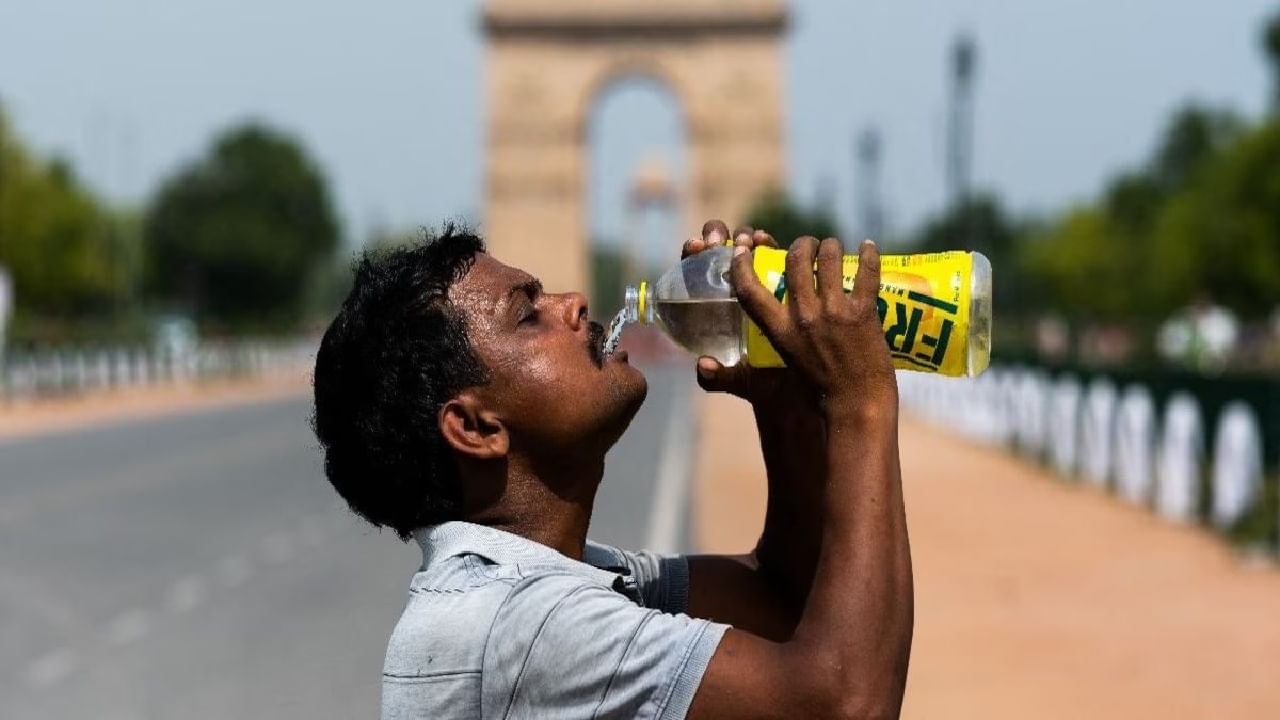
(633, 385)
(628, 388)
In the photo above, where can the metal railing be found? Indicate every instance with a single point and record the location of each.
(63, 372)
(1192, 452)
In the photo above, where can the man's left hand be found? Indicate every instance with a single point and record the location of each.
(773, 388)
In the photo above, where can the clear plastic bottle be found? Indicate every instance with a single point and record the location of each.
(927, 302)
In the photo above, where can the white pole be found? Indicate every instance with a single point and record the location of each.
(6, 307)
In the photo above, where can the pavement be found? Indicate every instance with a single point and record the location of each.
(22, 418)
(195, 564)
(1039, 597)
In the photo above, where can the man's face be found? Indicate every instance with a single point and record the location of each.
(550, 383)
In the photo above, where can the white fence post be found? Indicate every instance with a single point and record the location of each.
(1181, 459)
(1095, 431)
(1237, 464)
(1135, 444)
(1064, 424)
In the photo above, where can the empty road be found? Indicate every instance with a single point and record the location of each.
(199, 565)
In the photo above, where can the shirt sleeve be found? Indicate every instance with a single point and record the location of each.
(563, 647)
(663, 580)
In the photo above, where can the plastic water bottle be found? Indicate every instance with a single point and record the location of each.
(935, 309)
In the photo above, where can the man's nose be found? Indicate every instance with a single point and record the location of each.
(575, 310)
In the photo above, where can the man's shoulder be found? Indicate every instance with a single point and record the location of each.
(453, 609)
(543, 638)
(445, 622)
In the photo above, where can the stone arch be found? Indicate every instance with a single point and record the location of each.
(637, 181)
(625, 68)
(548, 61)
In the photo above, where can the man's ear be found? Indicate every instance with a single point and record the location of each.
(473, 430)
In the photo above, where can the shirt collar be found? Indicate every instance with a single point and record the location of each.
(450, 539)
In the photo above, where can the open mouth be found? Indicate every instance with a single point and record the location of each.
(596, 338)
(595, 343)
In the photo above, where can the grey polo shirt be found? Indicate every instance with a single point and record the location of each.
(498, 626)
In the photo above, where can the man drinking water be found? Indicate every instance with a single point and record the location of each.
(464, 406)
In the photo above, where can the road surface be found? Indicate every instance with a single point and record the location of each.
(199, 566)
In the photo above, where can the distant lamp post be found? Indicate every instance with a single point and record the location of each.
(964, 62)
(870, 207)
(651, 190)
(1271, 44)
(6, 307)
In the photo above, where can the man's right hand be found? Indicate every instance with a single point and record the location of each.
(850, 650)
(832, 338)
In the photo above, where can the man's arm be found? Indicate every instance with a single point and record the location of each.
(849, 653)
(763, 591)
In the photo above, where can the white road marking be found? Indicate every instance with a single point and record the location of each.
(128, 627)
(183, 596)
(51, 668)
(157, 471)
(28, 597)
(671, 487)
(186, 594)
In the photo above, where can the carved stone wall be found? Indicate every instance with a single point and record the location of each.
(547, 62)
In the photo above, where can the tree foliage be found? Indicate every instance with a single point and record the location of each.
(1149, 245)
(1225, 227)
(981, 224)
(1271, 45)
(60, 246)
(787, 220)
(234, 237)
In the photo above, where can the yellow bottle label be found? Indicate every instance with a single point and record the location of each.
(923, 302)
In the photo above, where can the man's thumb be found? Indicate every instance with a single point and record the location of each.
(715, 377)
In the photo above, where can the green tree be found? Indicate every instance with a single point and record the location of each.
(1271, 45)
(1194, 136)
(608, 265)
(1225, 228)
(235, 237)
(980, 224)
(787, 220)
(1088, 267)
(1119, 259)
(54, 237)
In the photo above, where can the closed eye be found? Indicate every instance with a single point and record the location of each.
(528, 309)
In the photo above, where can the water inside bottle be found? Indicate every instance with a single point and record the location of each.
(705, 327)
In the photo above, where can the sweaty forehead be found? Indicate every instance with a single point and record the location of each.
(486, 287)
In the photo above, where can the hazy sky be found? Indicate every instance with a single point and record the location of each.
(387, 94)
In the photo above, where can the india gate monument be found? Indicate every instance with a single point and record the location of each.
(547, 62)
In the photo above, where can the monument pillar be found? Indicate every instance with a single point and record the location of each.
(546, 63)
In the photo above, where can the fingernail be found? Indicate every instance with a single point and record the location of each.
(715, 237)
(739, 250)
(706, 367)
(743, 238)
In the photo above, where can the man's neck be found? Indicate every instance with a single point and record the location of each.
(548, 505)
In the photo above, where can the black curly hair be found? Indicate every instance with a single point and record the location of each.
(396, 351)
